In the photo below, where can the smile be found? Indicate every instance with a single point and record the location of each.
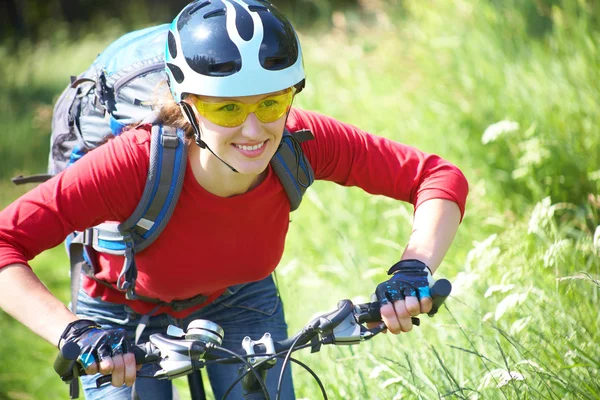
(250, 148)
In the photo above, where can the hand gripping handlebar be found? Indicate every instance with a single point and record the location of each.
(179, 353)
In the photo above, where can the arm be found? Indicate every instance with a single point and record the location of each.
(435, 224)
(438, 190)
(105, 185)
(26, 299)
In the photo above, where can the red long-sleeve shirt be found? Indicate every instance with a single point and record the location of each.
(210, 242)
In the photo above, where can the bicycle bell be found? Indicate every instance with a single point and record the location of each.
(205, 331)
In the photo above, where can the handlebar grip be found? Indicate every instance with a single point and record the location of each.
(144, 354)
(370, 312)
(66, 360)
(439, 293)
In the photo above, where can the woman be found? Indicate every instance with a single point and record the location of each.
(234, 67)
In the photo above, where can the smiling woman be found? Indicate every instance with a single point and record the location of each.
(245, 132)
(231, 93)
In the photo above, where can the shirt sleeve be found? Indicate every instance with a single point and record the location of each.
(348, 156)
(104, 185)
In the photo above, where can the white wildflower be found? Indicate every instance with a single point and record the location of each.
(594, 176)
(508, 303)
(498, 129)
(376, 372)
(541, 216)
(483, 255)
(499, 378)
(498, 288)
(463, 281)
(510, 376)
(487, 317)
(533, 152)
(519, 173)
(393, 381)
(530, 363)
(519, 325)
(571, 356)
(555, 254)
(597, 238)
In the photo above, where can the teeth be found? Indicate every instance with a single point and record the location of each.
(250, 148)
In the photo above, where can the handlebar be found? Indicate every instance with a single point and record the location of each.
(179, 353)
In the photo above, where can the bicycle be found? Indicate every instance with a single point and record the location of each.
(179, 353)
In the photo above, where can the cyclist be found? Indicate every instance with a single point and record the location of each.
(232, 81)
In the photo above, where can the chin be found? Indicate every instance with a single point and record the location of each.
(252, 168)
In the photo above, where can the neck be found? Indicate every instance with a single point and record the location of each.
(216, 178)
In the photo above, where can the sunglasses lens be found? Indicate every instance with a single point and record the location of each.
(223, 114)
(230, 114)
(273, 108)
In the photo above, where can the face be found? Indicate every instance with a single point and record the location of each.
(250, 143)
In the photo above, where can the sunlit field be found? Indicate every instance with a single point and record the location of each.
(508, 92)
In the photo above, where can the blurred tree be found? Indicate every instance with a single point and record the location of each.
(33, 19)
(538, 14)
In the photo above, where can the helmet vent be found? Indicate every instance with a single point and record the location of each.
(216, 13)
(199, 6)
(276, 63)
(222, 69)
(257, 8)
(176, 71)
(172, 45)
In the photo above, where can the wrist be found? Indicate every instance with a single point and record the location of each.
(75, 328)
(409, 264)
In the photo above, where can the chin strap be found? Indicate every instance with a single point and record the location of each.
(187, 109)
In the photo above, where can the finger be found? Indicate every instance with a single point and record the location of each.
(426, 304)
(118, 373)
(403, 316)
(413, 306)
(373, 325)
(92, 369)
(106, 366)
(388, 316)
(130, 368)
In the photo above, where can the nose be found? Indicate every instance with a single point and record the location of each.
(252, 127)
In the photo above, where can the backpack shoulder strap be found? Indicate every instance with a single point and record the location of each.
(168, 159)
(292, 167)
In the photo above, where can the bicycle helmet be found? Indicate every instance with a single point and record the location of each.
(231, 48)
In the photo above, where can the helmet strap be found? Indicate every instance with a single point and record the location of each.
(187, 109)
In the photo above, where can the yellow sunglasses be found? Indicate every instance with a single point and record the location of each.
(233, 113)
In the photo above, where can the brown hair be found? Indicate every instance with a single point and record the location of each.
(169, 112)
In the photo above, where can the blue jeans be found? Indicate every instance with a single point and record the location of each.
(249, 309)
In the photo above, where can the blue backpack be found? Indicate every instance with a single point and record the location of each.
(116, 91)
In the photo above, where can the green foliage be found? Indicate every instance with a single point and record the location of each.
(507, 90)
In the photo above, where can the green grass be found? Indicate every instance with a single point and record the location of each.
(522, 322)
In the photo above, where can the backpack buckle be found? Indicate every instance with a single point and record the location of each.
(168, 141)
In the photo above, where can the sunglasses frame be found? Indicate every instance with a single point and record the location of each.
(247, 108)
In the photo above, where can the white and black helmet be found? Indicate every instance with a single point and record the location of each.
(231, 48)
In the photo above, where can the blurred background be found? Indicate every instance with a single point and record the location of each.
(508, 90)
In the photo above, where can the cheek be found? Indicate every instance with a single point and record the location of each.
(275, 129)
(213, 133)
